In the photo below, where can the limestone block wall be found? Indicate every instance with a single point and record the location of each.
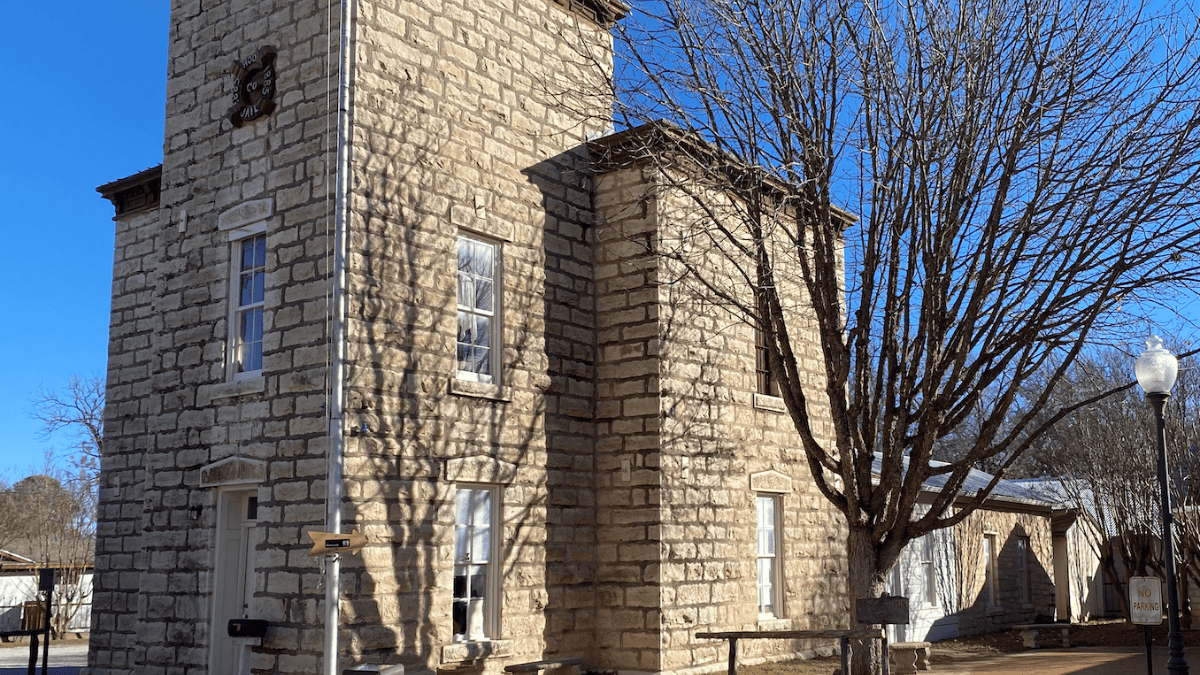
(724, 444)
(630, 592)
(975, 613)
(688, 448)
(171, 396)
(119, 555)
(460, 128)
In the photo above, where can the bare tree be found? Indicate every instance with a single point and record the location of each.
(79, 412)
(60, 506)
(1023, 174)
(58, 532)
(1105, 458)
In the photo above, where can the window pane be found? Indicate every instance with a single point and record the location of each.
(462, 513)
(246, 296)
(259, 280)
(248, 253)
(481, 520)
(766, 589)
(466, 290)
(483, 294)
(260, 251)
(478, 582)
(482, 262)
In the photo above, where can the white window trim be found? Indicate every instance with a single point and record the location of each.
(491, 600)
(495, 336)
(233, 336)
(1023, 545)
(777, 567)
(928, 570)
(991, 571)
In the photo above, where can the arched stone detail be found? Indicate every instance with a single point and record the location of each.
(233, 471)
(770, 481)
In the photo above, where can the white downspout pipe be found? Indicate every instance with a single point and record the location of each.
(335, 455)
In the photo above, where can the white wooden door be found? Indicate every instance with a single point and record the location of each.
(233, 584)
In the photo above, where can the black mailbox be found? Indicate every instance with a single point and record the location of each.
(247, 628)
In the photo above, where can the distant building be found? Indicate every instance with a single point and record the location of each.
(19, 577)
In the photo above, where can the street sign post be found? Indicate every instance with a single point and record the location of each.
(328, 543)
(1146, 608)
(1145, 601)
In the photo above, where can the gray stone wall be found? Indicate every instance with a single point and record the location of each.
(172, 409)
(975, 614)
(119, 557)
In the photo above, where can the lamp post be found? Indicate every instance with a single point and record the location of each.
(1156, 369)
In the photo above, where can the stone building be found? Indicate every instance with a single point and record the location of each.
(995, 569)
(549, 451)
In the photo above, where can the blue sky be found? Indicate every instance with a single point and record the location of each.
(83, 97)
(83, 101)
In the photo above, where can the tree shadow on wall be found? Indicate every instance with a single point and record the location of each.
(413, 423)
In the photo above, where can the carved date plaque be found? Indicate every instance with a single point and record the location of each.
(254, 87)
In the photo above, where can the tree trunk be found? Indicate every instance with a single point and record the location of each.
(866, 581)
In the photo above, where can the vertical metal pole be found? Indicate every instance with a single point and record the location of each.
(845, 654)
(1148, 635)
(732, 656)
(46, 629)
(1176, 664)
(335, 459)
(33, 650)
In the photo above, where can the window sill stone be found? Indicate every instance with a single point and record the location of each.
(250, 385)
(774, 623)
(483, 390)
(768, 402)
(470, 651)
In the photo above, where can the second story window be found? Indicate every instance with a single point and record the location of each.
(478, 347)
(762, 367)
(248, 290)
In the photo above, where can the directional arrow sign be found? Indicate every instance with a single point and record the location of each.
(325, 543)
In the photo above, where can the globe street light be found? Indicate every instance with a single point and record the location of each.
(1156, 370)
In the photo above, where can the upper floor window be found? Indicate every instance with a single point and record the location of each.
(762, 367)
(246, 320)
(478, 343)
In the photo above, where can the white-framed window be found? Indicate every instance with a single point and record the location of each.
(768, 544)
(928, 570)
(478, 339)
(246, 301)
(1023, 568)
(476, 596)
(989, 570)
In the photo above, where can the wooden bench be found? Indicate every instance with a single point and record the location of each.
(910, 656)
(546, 664)
(842, 636)
(1029, 633)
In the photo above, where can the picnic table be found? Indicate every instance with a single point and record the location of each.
(842, 636)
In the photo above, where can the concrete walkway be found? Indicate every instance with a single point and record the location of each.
(1074, 661)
